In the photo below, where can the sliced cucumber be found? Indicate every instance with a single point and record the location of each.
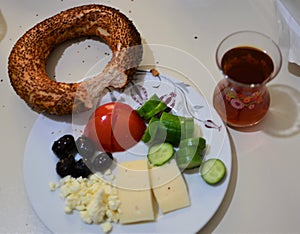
(188, 157)
(213, 171)
(158, 133)
(177, 127)
(199, 142)
(151, 107)
(150, 130)
(159, 154)
(172, 128)
(187, 127)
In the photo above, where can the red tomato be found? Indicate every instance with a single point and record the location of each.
(115, 127)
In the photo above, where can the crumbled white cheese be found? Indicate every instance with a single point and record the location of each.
(96, 199)
(53, 186)
(68, 210)
(106, 227)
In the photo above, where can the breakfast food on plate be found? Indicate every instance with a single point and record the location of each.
(169, 187)
(213, 171)
(91, 160)
(27, 61)
(144, 189)
(134, 189)
(115, 127)
(96, 200)
(136, 184)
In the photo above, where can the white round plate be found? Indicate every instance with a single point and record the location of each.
(39, 161)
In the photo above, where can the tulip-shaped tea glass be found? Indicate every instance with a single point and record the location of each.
(248, 60)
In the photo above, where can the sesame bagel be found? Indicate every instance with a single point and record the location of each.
(27, 61)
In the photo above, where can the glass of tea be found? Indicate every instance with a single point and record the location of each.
(248, 61)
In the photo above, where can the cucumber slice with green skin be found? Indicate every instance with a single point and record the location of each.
(188, 157)
(170, 120)
(151, 107)
(213, 171)
(158, 133)
(187, 127)
(160, 107)
(176, 127)
(159, 154)
(150, 130)
(199, 142)
(171, 127)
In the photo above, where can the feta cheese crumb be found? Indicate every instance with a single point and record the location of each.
(96, 199)
(53, 186)
(106, 227)
(68, 210)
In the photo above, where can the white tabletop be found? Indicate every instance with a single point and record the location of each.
(264, 191)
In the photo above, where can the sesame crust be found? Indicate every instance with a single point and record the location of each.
(27, 61)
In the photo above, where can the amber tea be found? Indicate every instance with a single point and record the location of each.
(247, 65)
(244, 105)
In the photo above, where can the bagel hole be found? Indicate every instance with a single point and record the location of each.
(77, 59)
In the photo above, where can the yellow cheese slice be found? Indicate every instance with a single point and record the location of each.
(169, 187)
(134, 190)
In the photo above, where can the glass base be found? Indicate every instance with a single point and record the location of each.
(242, 126)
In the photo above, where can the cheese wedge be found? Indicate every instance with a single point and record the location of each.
(134, 192)
(169, 187)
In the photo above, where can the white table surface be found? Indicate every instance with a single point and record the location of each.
(264, 192)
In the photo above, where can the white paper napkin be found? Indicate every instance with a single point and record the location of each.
(289, 13)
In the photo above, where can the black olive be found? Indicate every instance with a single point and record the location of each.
(102, 161)
(85, 147)
(65, 166)
(80, 169)
(64, 146)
